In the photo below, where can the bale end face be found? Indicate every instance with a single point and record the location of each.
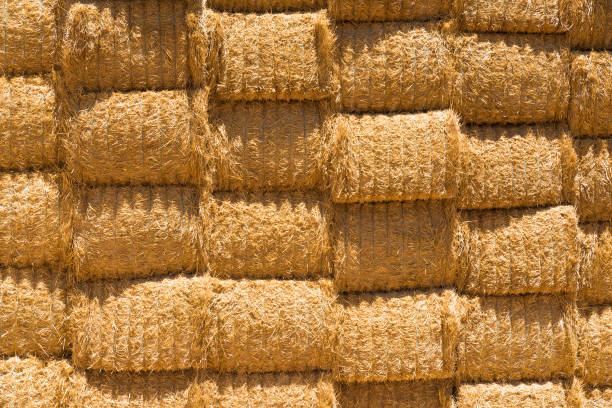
(596, 258)
(551, 394)
(595, 348)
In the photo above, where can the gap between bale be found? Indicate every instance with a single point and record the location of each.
(591, 26)
(595, 261)
(595, 347)
(550, 394)
(396, 394)
(388, 10)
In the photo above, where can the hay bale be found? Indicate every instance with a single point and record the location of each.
(518, 251)
(28, 36)
(275, 57)
(551, 394)
(386, 67)
(389, 10)
(274, 235)
(598, 397)
(592, 189)
(396, 245)
(396, 394)
(393, 157)
(590, 108)
(266, 6)
(32, 209)
(130, 232)
(499, 78)
(517, 337)
(125, 45)
(595, 347)
(134, 138)
(135, 325)
(596, 258)
(270, 325)
(514, 166)
(269, 146)
(591, 24)
(396, 336)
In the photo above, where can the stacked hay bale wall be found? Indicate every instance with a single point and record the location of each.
(596, 258)
(551, 394)
(595, 348)
(591, 26)
(397, 394)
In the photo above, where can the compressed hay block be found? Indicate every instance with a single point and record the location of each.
(499, 78)
(32, 209)
(518, 251)
(266, 6)
(136, 325)
(595, 345)
(590, 108)
(591, 24)
(28, 36)
(596, 262)
(394, 157)
(386, 67)
(125, 45)
(396, 394)
(550, 394)
(598, 398)
(130, 232)
(592, 189)
(395, 245)
(27, 123)
(396, 336)
(517, 337)
(33, 313)
(275, 57)
(134, 138)
(514, 166)
(270, 325)
(273, 235)
(389, 10)
(270, 146)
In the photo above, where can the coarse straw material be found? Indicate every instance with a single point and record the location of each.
(598, 397)
(394, 157)
(550, 394)
(270, 325)
(590, 108)
(596, 263)
(517, 338)
(133, 232)
(591, 24)
(518, 251)
(595, 347)
(396, 336)
(510, 79)
(515, 166)
(275, 57)
(266, 6)
(390, 67)
(125, 45)
(273, 235)
(394, 245)
(396, 394)
(388, 10)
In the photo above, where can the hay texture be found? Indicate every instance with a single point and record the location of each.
(396, 336)
(389, 10)
(518, 251)
(269, 146)
(596, 261)
(275, 57)
(31, 213)
(134, 138)
(514, 166)
(136, 325)
(396, 394)
(270, 325)
(274, 235)
(129, 232)
(499, 78)
(551, 394)
(590, 108)
(591, 24)
(27, 123)
(393, 157)
(266, 6)
(387, 67)
(517, 338)
(597, 398)
(395, 245)
(33, 314)
(28, 37)
(595, 345)
(125, 45)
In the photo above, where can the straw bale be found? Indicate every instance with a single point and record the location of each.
(269, 146)
(396, 394)
(125, 45)
(514, 166)
(130, 232)
(499, 78)
(388, 10)
(395, 245)
(591, 24)
(28, 36)
(518, 251)
(590, 108)
(517, 338)
(275, 57)
(550, 394)
(27, 123)
(386, 67)
(270, 325)
(396, 336)
(595, 345)
(273, 235)
(134, 138)
(393, 157)
(266, 6)
(31, 211)
(598, 397)
(596, 262)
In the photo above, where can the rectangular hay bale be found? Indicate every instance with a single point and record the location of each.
(550, 394)
(265, 6)
(591, 192)
(591, 24)
(595, 345)
(596, 263)
(598, 397)
(388, 10)
(396, 394)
